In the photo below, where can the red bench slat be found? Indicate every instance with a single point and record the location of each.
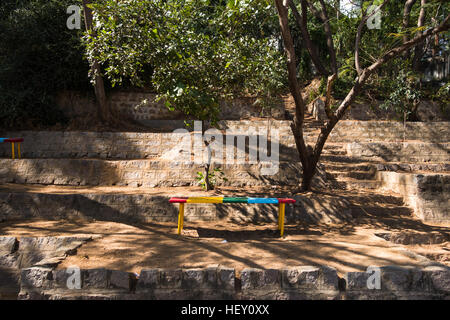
(13, 140)
(286, 200)
(178, 200)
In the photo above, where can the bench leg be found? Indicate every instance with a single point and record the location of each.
(12, 150)
(279, 217)
(18, 150)
(180, 218)
(282, 209)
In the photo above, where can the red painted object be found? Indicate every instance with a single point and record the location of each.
(286, 200)
(14, 140)
(178, 200)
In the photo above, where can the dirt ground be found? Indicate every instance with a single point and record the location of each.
(349, 246)
(135, 247)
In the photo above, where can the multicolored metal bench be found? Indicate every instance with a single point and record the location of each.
(13, 141)
(280, 201)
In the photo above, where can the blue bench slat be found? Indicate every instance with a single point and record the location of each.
(262, 200)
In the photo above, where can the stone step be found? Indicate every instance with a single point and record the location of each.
(334, 146)
(145, 173)
(343, 167)
(342, 159)
(414, 152)
(140, 205)
(360, 175)
(333, 152)
(388, 166)
(351, 183)
(132, 145)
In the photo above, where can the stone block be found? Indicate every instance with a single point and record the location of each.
(328, 279)
(148, 280)
(8, 245)
(356, 280)
(61, 278)
(36, 278)
(193, 278)
(226, 278)
(94, 278)
(258, 279)
(171, 278)
(120, 280)
(305, 277)
(395, 278)
(439, 277)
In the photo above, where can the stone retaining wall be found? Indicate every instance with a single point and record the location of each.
(145, 173)
(143, 107)
(134, 145)
(215, 282)
(415, 152)
(351, 131)
(427, 194)
(142, 208)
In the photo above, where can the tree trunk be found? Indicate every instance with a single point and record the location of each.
(308, 158)
(103, 111)
(418, 50)
(207, 167)
(406, 13)
(310, 46)
(297, 125)
(330, 44)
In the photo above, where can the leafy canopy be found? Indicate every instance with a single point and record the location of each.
(191, 52)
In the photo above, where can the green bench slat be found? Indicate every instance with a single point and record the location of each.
(235, 200)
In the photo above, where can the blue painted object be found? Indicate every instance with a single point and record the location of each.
(262, 200)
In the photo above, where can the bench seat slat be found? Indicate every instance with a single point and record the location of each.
(286, 200)
(12, 139)
(178, 200)
(229, 200)
(205, 200)
(235, 200)
(262, 200)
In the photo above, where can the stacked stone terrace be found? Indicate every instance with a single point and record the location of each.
(213, 282)
(410, 160)
(129, 177)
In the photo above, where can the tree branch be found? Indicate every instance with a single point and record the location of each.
(330, 82)
(418, 50)
(445, 25)
(364, 19)
(330, 44)
(104, 111)
(406, 12)
(323, 16)
(312, 49)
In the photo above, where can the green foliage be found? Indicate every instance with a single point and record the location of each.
(443, 96)
(38, 57)
(213, 176)
(198, 51)
(405, 94)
